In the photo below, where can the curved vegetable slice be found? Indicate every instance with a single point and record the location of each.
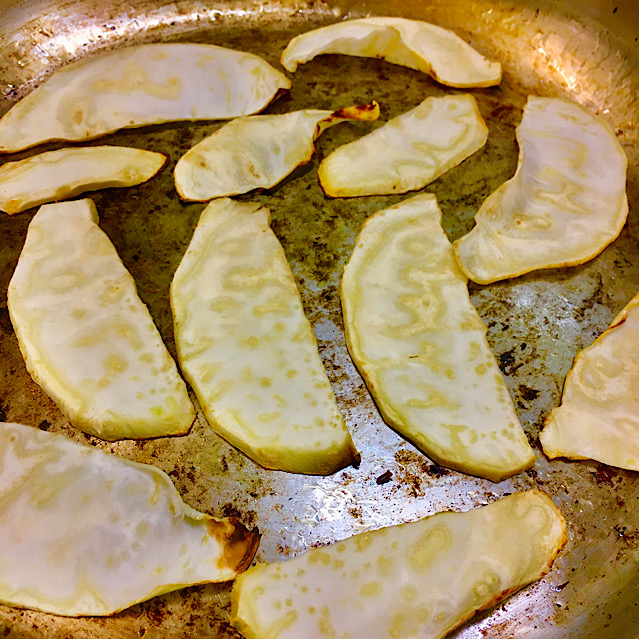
(565, 203)
(423, 578)
(257, 151)
(86, 337)
(421, 347)
(146, 84)
(599, 413)
(412, 43)
(247, 349)
(84, 532)
(408, 152)
(65, 173)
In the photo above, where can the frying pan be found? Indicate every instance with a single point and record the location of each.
(536, 323)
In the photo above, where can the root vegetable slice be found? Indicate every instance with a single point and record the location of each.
(257, 151)
(599, 413)
(420, 579)
(564, 205)
(408, 152)
(412, 43)
(65, 173)
(146, 84)
(86, 337)
(421, 346)
(247, 349)
(84, 532)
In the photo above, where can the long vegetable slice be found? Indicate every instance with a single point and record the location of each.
(247, 348)
(84, 532)
(421, 346)
(146, 84)
(257, 151)
(86, 337)
(408, 152)
(420, 579)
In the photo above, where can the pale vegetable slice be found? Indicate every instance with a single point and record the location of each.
(420, 579)
(84, 532)
(134, 86)
(86, 337)
(565, 203)
(258, 151)
(412, 43)
(408, 152)
(247, 349)
(421, 347)
(65, 173)
(599, 413)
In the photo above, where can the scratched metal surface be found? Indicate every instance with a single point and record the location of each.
(536, 323)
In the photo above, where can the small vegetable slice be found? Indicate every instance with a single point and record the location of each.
(412, 43)
(258, 151)
(86, 337)
(84, 532)
(421, 347)
(566, 202)
(65, 173)
(247, 348)
(134, 86)
(599, 413)
(408, 152)
(423, 578)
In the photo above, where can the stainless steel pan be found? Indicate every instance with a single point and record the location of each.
(537, 323)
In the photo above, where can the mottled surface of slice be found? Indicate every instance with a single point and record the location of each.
(408, 152)
(86, 337)
(84, 532)
(566, 202)
(420, 345)
(412, 43)
(248, 350)
(65, 173)
(420, 579)
(134, 86)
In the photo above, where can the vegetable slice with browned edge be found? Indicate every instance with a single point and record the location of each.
(85, 532)
(258, 151)
(412, 43)
(418, 579)
(421, 347)
(86, 337)
(65, 173)
(139, 85)
(247, 349)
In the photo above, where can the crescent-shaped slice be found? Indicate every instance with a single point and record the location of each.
(134, 86)
(419, 579)
(566, 202)
(86, 337)
(421, 347)
(599, 413)
(65, 173)
(258, 151)
(247, 349)
(412, 43)
(84, 532)
(408, 152)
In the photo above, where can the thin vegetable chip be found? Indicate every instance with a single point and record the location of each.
(86, 337)
(84, 532)
(566, 202)
(412, 43)
(257, 151)
(421, 347)
(134, 86)
(247, 348)
(408, 152)
(419, 579)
